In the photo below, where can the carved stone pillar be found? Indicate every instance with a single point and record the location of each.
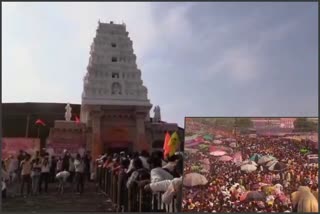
(141, 141)
(97, 146)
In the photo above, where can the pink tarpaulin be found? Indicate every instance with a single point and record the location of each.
(12, 146)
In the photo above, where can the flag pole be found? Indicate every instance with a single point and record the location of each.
(38, 131)
(27, 127)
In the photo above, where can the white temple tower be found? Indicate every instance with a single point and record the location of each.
(115, 102)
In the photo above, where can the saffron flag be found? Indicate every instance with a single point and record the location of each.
(173, 143)
(40, 122)
(166, 145)
(77, 119)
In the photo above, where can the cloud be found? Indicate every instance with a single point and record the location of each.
(239, 63)
(243, 63)
(176, 45)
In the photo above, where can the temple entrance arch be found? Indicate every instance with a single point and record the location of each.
(117, 139)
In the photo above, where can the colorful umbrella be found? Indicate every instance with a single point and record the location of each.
(255, 157)
(218, 153)
(208, 137)
(220, 148)
(225, 158)
(217, 141)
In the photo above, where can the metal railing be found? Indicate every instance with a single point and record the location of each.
(134, 199)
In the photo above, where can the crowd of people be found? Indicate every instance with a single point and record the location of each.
(298, 181)
(30, 175)
(150, 172)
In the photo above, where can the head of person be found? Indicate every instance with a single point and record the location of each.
(173, 158)
(46, 160)
(144, 153)
(122, 154)
(115, 156)
(27, 157)
(135, 155)
(157, 154)
(117, 160)
(137, 163)
(306, 182)
(155, 162)
(2, 165)
(37, 160)
(78, 156)
(125, 163)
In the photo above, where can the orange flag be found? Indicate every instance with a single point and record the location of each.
(166, 145)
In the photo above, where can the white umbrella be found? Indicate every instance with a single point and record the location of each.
(218, 153)
(233, 144)
(277, 166)
(266, 159)
(206, 161)
(204, 170)
(248, 168)
(217, 141)
(249, 162)
(270, 163)
(190, 137)
(191, 150)
(194, 179)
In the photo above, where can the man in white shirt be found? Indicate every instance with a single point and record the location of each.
(79, 169)
(45, 174)
(62, 177)
(13, 167)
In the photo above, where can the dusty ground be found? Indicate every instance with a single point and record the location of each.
(90, 201)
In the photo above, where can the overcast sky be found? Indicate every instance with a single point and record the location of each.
(197, 59)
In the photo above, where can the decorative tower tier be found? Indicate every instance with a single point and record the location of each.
(113, 77)
(115, 102)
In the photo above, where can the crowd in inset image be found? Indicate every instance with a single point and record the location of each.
(151, 173)
(293, 187)
(30, 175)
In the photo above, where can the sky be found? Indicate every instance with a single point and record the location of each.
(197, 59)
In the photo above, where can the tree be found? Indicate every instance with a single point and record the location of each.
(243, 123)
(304, 125)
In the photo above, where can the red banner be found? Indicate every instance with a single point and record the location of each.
(12, 146)
(56, 146)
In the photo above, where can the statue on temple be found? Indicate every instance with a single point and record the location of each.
(157, 114)
(116, 88)
(68, 113)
